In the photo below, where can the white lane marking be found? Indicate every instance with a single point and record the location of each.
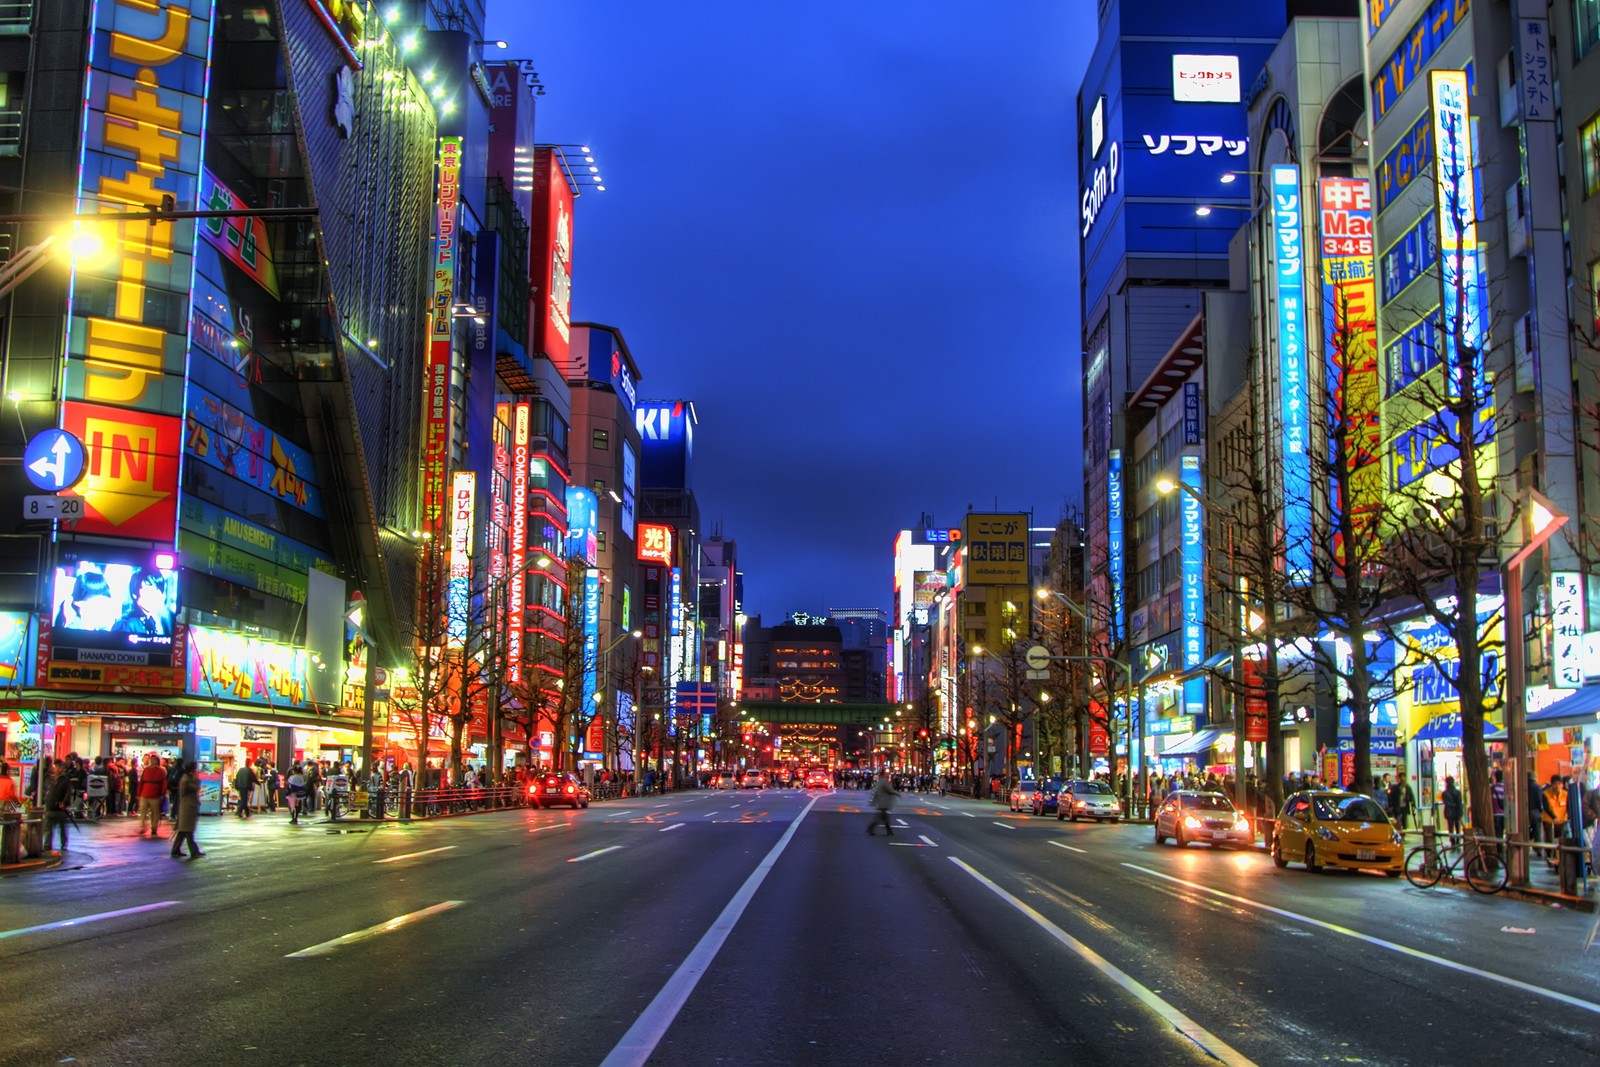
(623, 811)
(969, 815)
(710, 814)
(414, 855)
(1393, 946)
(647, 1031)
(660, 805)
(63, 924)
(1208, 1042)
(548, 826)
(592, 855)
(373, 931)
(1004, 825)
(902, 823)
(1060, 844)
(929, 840)
(674, 826)
(907, 844)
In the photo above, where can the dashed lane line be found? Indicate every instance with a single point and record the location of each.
(1208, 1042)
(592, 855)
(1392, 946)
(373, 931)
(1004, 825)
(64, 924)
(674, 826)
(1062, 844)
(414, 855)
(929, 840)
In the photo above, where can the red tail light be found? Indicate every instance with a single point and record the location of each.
(570, 789)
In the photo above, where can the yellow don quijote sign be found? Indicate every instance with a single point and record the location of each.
(128, 320)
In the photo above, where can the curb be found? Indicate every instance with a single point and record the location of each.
(48, 862)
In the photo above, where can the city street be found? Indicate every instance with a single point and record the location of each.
(765, 927)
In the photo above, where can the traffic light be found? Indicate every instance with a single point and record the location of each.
(748, 738)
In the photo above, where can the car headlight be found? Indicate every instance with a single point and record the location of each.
(1115, 806)
(1191, 822)
(1242, 824)
(1083, 804)
(1326, 834)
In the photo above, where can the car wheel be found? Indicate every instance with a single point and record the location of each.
(1182, 841)
(1277, 856)
(1311, 858)
(585, 804)
(1073, 816)
(1161, 838)
(1060, 815)
(1391, 874)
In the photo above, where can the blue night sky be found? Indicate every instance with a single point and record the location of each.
(845, 230)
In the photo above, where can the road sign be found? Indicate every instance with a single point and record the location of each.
(53, 460)
(1037, 657)
(52, 507)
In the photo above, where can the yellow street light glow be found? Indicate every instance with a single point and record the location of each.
(448, 107)
(14, 396)
(85, 245)
(408, 42)
(1165, 486)
(427, 76)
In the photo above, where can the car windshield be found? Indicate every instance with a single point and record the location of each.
(1351, 808)
(1208, 801)
(1053, 785)
(1090, 787)
(1028, 787)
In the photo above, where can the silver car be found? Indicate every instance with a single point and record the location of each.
(1191, 815)
(1084, 799)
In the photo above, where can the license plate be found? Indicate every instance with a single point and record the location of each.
(1366, 854)
(1219, 835)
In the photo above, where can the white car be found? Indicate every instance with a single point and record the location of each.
(1191, 815)
(1084, 799)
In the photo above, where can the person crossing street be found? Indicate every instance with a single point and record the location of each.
(884, 797)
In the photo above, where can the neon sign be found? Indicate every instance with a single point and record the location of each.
(1293, 398)
(655, 543)
(522, 415)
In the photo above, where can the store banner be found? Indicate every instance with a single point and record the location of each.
(228, 666)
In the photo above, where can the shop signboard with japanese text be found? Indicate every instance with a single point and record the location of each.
(128, 319)
(441, 333)
(1463, 302)
(997, 548)
(1566, 630)
(517, 553)
(550, 244)
(1194, 602)
(655, 543)
(228, 666)
(1350, 333)
(463, 508)
(1293, 370)
(1114, 538)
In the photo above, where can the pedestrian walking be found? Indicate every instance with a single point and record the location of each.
(57, 804)
(244, 780)
(152, 787)
(1402, 802)
(884, 798)
(8, 786)
(1450, 799)
(1497, 803)
(187, 816)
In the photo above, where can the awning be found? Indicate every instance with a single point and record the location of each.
(1194, 744)
(1448, 725)
(1580, 709)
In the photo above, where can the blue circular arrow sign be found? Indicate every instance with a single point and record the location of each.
(53, 460)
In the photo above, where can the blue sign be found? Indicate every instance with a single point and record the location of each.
(1114, 541)
(583, 524)
(53, 460)
(1287, 217)
(1191, 413)
(1410, 257)
(666, 433)
(674, 626)
(1408, 63)
(1194, 598)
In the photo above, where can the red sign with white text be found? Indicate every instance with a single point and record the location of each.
(130, 474)
(550, 251)
(655, 543)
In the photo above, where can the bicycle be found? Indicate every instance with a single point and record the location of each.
(1484, 869)
(338, 804)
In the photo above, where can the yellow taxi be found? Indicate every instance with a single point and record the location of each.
(1332, 828)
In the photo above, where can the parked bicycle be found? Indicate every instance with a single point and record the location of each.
(1482, 863)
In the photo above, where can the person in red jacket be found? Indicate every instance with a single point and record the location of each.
(152, 787)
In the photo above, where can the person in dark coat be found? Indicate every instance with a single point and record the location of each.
(57, 804)
(188, 814)
(1450, 799)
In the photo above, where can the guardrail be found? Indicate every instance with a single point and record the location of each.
(1567, 862)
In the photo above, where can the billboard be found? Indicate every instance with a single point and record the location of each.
(655, 543)
(997, 549)
(1205, 79)
(441, 330)
(127, 320)
(1293, 395)
(223, 665)
(666, 437)
(591, 639)
(550, 246)
(110, 607)
(1462, 298)
(583, 524)
(517, 554)
(630, 489)
(1350, 337)
(1566, 630)
(500, 490)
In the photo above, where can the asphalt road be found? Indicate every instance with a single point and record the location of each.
(765, 928)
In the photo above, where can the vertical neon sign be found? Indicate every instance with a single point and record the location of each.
(516, 583)
(1194, 601)
(441, 331)
(1114, 541)
(1460, 272)
(463, 493)
(1293, 402)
